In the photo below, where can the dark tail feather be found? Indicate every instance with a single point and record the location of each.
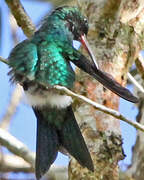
(105, 79)
(56, 128)
(71, 139)
(47, 144)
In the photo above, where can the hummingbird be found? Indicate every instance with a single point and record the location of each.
(43, 61)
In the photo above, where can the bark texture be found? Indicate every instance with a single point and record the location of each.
(115, 36)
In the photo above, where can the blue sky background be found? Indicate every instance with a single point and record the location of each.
(23, 125)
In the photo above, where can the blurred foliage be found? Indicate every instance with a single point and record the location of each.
(54, 2)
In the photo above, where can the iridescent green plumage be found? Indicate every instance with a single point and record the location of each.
(43, 57)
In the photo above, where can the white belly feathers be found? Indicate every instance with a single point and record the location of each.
(48, 98)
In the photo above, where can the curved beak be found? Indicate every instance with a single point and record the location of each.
(88, 49)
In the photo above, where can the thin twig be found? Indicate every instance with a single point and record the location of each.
(21, 17)
(14, 102)
(16, 147)
(100, 107)
(132, 79)
(4, 60)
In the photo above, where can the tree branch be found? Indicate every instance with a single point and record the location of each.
(16, 147)
(140, 65)
(12, 163)
(4, 61)
(100, 107)
(137, 85)
(14, 102)
(21, 17)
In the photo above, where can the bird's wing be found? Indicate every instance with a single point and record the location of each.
(23, 59)
(42, 64)
(104, 78)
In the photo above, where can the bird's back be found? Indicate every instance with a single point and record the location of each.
(43, 63)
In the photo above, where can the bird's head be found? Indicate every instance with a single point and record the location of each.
(75, 21)
(77, 24)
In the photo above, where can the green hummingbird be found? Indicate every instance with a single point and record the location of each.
(43, 61)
